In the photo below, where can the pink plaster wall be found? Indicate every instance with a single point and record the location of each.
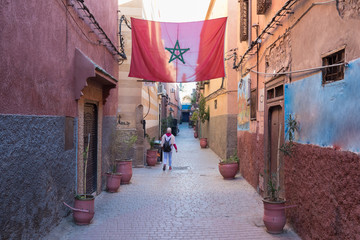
(37, 45)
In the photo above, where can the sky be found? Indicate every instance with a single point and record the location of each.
(182, 10)
(175, 10)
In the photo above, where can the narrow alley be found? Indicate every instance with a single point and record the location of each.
(190, 202)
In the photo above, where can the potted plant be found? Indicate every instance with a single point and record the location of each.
(151, 154)
(113, 178)
(124, 165)
(204, 115)
(194, 118)
(83, 210)
(229, 167)
(274, 206)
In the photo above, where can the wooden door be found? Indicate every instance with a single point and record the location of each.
(90, 128)
(275, 128)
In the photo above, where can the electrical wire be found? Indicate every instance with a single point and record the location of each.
(89, 40)
(288, 30)
(279, 15)
(299, 71)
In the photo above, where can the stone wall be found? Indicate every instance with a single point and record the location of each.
(324, 183)
(251, 155)
(40, 174)
(109, 125)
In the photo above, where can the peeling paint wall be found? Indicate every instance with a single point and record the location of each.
(329, 114)
(243, 123)
(349, 8)
(278, 58)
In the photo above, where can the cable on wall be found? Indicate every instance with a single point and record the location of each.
(84, 13)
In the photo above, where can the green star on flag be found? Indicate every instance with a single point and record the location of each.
(177, 52)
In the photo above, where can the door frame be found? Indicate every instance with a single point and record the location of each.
(92, 94)
(271, 102)
(96, 104)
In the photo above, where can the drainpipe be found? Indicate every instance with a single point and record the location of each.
(257, 66)
(76, 152)
(250, 23)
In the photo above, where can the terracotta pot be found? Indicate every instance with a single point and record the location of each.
(87, 203)
(203, 142)
(228, 170)
(274, 216)
(195, 135)
(113, 181)
(125, 168)
(151, 157)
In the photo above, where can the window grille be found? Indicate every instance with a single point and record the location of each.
(336, 73)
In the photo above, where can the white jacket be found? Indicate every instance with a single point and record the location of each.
(172, 141)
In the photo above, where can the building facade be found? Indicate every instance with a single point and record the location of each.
(139, 103)
(301, 58)
(220, 94)
(59, 91)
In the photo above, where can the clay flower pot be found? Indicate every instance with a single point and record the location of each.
(228, 170)
(195, 135)
(203, 142)
(125, 168)
(274, 216)
(83, 211)
(113, 181)
(151, 157)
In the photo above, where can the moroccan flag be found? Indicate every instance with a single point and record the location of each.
(177, 52)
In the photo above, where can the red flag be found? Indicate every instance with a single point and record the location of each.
(177, 52)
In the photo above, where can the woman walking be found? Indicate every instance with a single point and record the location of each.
(167, 142)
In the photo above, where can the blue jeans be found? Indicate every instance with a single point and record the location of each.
(167, 155)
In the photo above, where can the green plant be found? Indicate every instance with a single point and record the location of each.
(292, 126)
(273, 188)
(232, 159)
(195, 116)
(193, 98)
(165, 123)
(85, 160)
(129, 143)
(151, 141)
(117, 146)
(204, 114)
(273, 183)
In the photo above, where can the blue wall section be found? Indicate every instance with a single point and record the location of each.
(329, 115)
(243, 118)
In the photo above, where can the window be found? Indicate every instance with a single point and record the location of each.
(279, 91)
(336, 73)
(215, 104)
(253, 102)
(244, 4)
(275, 92)
(270, 93)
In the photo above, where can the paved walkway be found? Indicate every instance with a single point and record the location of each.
(190, 202)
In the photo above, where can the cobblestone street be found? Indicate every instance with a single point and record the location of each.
(190, 202)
